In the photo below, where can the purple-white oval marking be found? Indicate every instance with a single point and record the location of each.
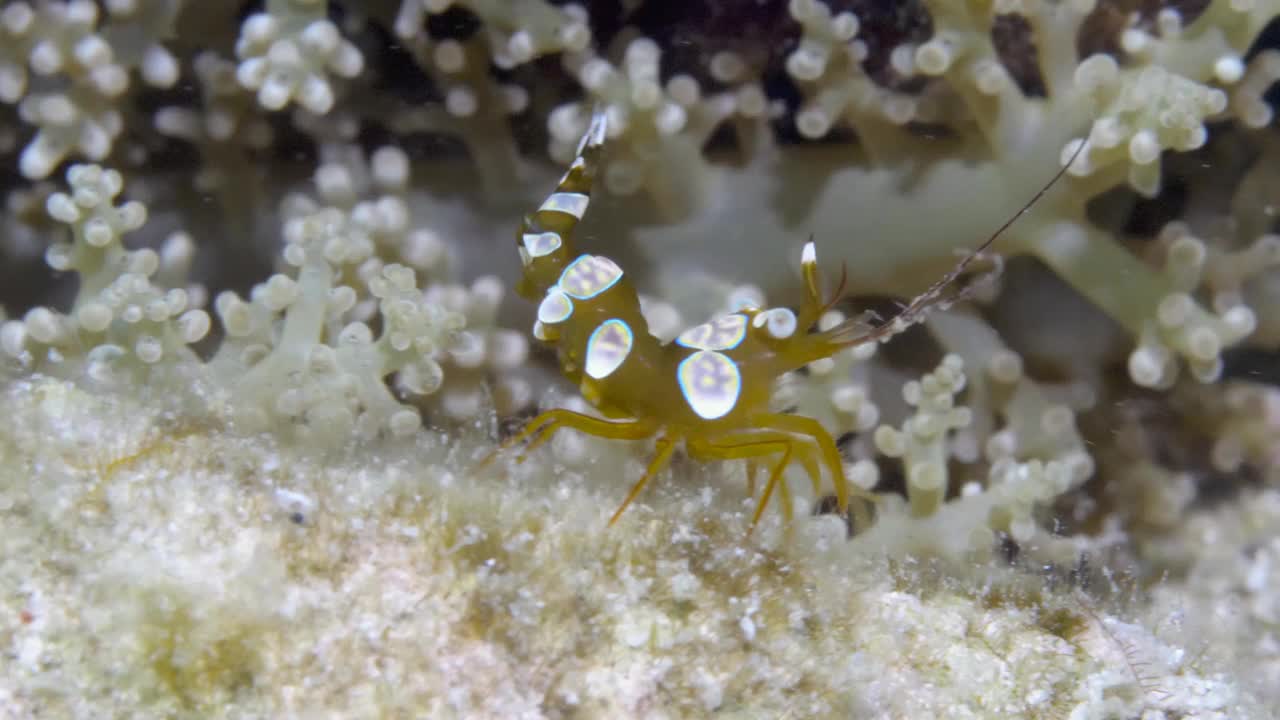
(539, 244)
(588, 276)
(574, 204)
(555, 308)
(723, 333)
(608, 347)
(710, 383)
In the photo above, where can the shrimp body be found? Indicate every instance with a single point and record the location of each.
(709, 390)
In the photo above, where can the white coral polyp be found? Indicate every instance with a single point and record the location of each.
(288, 58)
(119, 312)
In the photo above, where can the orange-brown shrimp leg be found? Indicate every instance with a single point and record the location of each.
(544, 426)
(733, 447)
(812, 429)
(753, 466)
(775, 477)
(751, 445)
(806, 456)
(666, 446)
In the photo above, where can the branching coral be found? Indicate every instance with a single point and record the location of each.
(222, 127)
(515, 33)
(476, 107)
(297, 352)
(67, 67)
(827, 63)
(294, 355)
(119, 318)
(896, 134)
(922, 440)
(658, 130)
(287, 53)
(487, 369)
(328, 391)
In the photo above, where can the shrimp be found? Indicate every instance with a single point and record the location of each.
(709, 390)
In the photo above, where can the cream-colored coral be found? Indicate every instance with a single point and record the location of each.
(922, 440)
(295, 354)
(288, 52)
(223, 127)
(827, 64)
(67, 64)
(119, 314)
(516, 33)
(1143, 113)
(488, 368)
(656, 130)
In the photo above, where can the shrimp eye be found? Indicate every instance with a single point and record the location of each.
(780, 323)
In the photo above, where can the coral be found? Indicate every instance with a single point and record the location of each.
(827, 64)
(248, 384)
(287, 52)
(515, 33)
(298, 351)
(1227, 559)
(67, 68)
(325, 380)
(488, 369)
(921, 442)
(475, 105)
(657, 131)
(120, 318)
(294, 354)
(223, 123)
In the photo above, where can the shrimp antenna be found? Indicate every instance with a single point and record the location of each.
(926, 300)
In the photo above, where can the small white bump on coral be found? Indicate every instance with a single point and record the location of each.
(1144, 111)
(1248, 101)
(486, 367)
(288, 53)
(334, 389)
(119, 312)
(921, 442)
(67, 64)
(1181, 328)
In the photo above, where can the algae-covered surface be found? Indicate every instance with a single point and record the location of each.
(152, 568)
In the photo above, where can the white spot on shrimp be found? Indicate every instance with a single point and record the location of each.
(556, 307)
(539, 244)
(588, 276)
(779, 322)
(809, 255)
(595, 131)
(608, 347)
(723, 333)
(574, 204)
(710, 383)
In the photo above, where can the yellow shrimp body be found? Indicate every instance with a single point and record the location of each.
(709, 389)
